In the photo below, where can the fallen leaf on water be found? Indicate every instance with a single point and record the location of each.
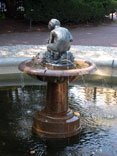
(32, 152)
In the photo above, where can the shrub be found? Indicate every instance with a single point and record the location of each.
(67, 11)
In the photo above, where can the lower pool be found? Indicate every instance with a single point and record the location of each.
(98, 109)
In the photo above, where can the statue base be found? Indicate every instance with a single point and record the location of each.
(63, 58)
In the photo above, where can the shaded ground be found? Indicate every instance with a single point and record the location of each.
(10, 26)
(18, 33)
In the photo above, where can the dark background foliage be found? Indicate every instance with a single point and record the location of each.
(68, 11)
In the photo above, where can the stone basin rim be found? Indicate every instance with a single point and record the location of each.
(26, 67)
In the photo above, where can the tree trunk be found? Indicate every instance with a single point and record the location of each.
(11, 8)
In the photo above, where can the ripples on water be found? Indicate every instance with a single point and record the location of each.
(98, 109)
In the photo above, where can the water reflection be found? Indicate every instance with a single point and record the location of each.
(97, 106)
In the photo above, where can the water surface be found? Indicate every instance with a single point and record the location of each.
(98, 109)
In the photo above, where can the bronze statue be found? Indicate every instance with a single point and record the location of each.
(58, 44)
(60, 37)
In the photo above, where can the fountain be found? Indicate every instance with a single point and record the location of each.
(57, 67)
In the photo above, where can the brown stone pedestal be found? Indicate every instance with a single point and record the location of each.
(56, 120)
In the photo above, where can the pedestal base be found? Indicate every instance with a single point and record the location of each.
(59, 125)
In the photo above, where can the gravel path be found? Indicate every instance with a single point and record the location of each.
(101, 35)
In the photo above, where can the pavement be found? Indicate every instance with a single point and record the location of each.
(104, 34)
(95, 43)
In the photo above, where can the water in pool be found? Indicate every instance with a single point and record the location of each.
(98, 109)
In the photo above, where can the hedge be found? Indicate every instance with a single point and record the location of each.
(67, 11)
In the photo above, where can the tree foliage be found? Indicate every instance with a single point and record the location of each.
(113, 6)
(68, 11)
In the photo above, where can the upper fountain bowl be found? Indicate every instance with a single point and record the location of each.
(56, 73)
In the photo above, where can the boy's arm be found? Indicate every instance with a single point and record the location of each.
(71, 38)
(51, 40)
